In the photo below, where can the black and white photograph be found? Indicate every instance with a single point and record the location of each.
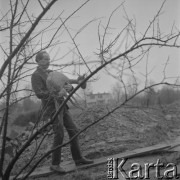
(89, 89)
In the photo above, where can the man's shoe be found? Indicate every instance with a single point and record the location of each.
(57, 168)
(83, 161)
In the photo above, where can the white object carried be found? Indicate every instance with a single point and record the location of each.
(56, 81)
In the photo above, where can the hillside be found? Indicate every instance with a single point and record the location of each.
(126, 129)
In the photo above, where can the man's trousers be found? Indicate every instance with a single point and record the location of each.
(64, 119)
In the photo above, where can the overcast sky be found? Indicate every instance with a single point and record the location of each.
(142, 11)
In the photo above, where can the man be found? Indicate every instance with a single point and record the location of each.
(38, 81)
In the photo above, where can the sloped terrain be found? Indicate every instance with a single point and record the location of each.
(127, 128)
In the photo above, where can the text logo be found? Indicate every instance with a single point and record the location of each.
(136, 170)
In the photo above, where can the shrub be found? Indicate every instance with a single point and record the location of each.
(23, 119)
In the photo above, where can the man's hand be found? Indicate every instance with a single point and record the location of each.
(62, 93)
(68, 87)
(80, 79)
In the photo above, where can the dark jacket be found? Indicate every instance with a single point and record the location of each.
(38, 81)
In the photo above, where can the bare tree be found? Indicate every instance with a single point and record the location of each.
(25, 42)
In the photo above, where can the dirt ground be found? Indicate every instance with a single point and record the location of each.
(127, 128)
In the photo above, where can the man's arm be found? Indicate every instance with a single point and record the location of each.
(73, 81)
(78, 81)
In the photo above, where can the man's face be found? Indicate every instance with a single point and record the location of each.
(45, 61)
